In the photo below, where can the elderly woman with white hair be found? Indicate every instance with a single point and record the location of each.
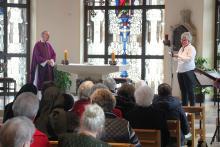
(84, 91)
(91, 126)
(27, 104)
(17, 132)
(185, 69)
(145, 116)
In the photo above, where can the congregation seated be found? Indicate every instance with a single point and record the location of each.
(125, 98)
(116, 111)
(91, 126)
(53, 120)
(17, 132)
(145, 116)
(111, 84)
(68, 102)
(27, 104)
(172, 107)
(8, 113)
(83, 97)
(116, 129)
(140, 83)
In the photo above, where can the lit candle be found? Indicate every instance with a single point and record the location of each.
(65, 55)
(113, 56)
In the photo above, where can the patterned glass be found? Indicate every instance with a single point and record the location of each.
(134, 71)
(133, 45)
(154, 32)
(96, 32)
(125, 2)
(17, 70)
(1, 29)
(154, 72)
(17, 30)
(17, 1)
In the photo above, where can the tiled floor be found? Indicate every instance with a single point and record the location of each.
(211, 114)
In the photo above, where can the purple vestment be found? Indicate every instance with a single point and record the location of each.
(42, 52)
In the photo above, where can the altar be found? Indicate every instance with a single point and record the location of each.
(96, 72)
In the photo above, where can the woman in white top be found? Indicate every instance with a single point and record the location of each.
(185, 69)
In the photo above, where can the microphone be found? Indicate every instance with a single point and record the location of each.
(166, 42)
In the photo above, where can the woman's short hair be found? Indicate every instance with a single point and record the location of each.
(140, 83)
(93, 118)
(104, 99)
(126, 90)
(16, 132)
(68, 101)
(186, 35)
(144, 96)
(97, 86)
(26, 104)
(29, 87)
(110, 83)
(85, 89)
(164, 90)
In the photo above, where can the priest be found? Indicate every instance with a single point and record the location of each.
(43, 60)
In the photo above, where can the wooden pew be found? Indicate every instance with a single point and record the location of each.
(53, 143)
(191, 121)
(149, 138)
(174, 129)
(121, 145)
(199, 115)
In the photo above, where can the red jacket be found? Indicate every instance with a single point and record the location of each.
(40, 140)
(79, 106)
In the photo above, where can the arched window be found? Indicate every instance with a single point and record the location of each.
(15, 38)
(132, 29)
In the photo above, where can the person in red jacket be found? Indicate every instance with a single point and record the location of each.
(83, 95)
(27, 104)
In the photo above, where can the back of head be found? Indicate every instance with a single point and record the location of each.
(164, 90)
(144, 96)
(84, 89)
(47, 84)
(68, 101)
(17, 132)
(97, 86)
(50, 96)
(126, 91)
(26, 104)
(140, 83)
(110, 83)
(104, 99)
(29, 87)
(93, 119)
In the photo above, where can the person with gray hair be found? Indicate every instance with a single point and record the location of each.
(111, 84)
(91, 126)
(145, 116)
(185, 69)
(117, 129)
(17, 132)
(27, 104)
(84, 91)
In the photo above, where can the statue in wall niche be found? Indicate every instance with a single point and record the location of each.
(184, 26)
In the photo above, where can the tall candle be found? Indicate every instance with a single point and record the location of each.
(113, 56)
(65, 55)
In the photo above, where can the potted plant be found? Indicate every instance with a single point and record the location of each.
(200, 91)
(62, 79)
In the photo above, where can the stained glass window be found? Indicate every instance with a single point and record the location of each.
(131, 28)
(15, 45)
(17, 1)
(1, 29)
